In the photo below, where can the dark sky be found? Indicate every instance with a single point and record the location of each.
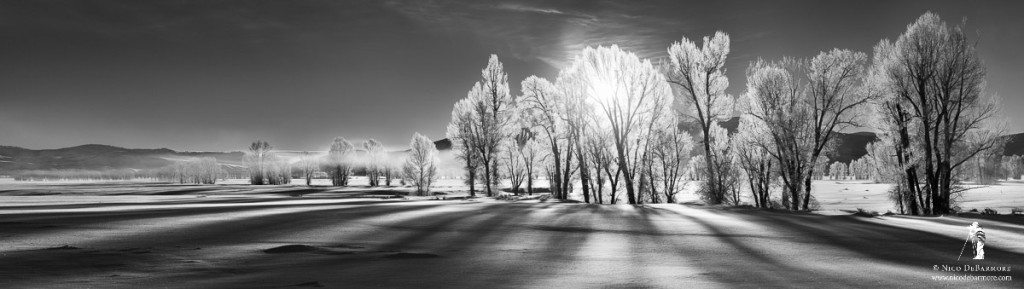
(214, 75)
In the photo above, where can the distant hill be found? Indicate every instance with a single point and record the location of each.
(98, 157)
(101, 157)
(1014, 145)
(850, 146)
(104, 157)
(443, 144)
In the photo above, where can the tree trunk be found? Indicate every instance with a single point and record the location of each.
(584, 176)
(472, 182)
(529, 183)
(807, 188)
(487, 179)
(711, 181)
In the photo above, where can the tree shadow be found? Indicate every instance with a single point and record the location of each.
(739, 263)
(881, 244)
(887, 243)
(44, 222)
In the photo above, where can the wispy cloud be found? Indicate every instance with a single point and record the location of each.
(547, 32)
(517, 7)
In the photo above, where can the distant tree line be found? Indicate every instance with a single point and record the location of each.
(197, 171)
(419, 168)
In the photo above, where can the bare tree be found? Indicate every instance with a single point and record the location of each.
(420, 167)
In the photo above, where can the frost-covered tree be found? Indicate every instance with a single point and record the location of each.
(514, 153)
(204, 170)
(597, 145)
(490, 104)
(836, 101)
(376, 161)
(257, 160)
(670, 153)
(338, 163)
(752, 155)
(279, 171)
(630, 95)
(727, 174)
(420, 168)
(532, 154)
(496, 98)
(837, 171)
(576, 111)
(1013, 167)
(392, 169)
(512, 161)
(542, 107)
(309, 164)
(464, 137)
(934, 70)
(803, 103)
(774, 98)
(697, 75)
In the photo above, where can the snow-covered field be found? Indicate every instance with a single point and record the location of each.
(101, 235)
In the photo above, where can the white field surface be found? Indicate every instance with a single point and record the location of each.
(128, 235)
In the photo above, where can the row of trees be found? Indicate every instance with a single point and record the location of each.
(607, 121)
(859, 169)
(611, 118)
(80, 174)
(922, 92)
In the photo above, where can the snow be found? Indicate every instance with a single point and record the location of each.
(139, 236)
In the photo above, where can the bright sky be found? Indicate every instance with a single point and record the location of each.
(214, 75)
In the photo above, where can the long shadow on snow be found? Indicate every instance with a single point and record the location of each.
(1000, 222)
(365, 269)
(888, 243)
(168, 202)
(753, 268)
(221, 233)
(315, 215)
(54, 220)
